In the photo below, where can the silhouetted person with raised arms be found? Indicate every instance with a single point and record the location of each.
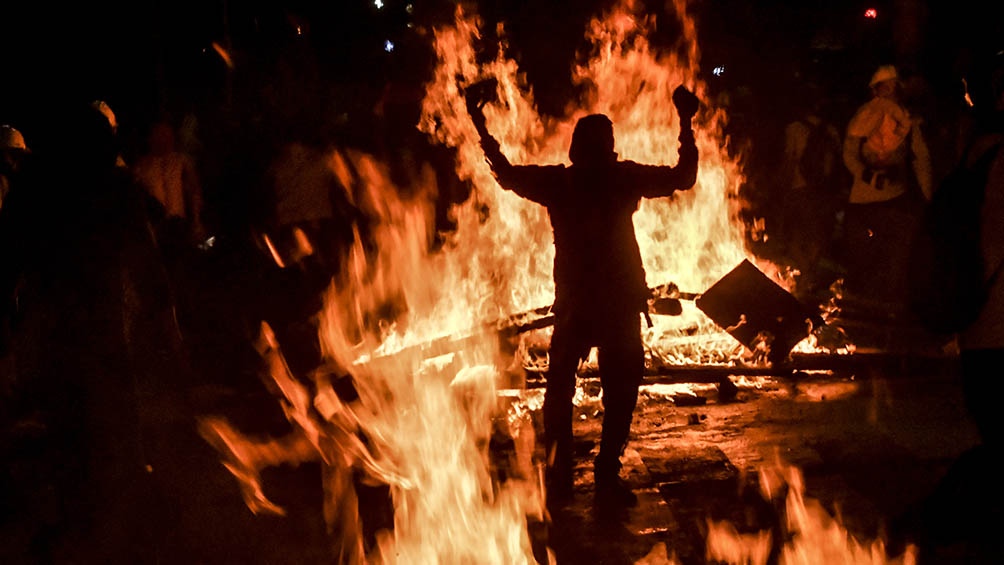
(600, 287)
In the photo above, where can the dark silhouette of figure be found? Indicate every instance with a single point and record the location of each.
(600, 287)
(14, 154)
(982, 343)
(78, 247)
(814, 179)
(308, 201)
(966, 508)
(170, 175)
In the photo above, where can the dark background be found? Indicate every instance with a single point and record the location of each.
(312, 68)
(146, 56)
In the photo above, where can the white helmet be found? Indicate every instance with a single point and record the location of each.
(884, 73)
(11, 138)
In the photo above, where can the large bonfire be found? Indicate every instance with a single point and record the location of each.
(420, 419)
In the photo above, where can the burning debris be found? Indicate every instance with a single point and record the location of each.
(332, 424)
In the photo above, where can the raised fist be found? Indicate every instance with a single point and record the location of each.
(685, 101)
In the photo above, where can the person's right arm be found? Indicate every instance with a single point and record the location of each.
(532, 182)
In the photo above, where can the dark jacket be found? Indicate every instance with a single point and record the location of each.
(597, 262)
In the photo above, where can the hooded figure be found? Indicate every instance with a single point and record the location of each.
(80, 259)
(599, 278)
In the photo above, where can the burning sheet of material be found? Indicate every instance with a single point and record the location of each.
(758, 313)
(419, 422)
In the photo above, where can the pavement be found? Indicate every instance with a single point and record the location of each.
(868, 447)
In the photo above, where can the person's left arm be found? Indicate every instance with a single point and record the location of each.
(652, 181)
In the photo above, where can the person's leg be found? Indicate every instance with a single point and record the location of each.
(622, 366)
(903, 217)
(565, 352)
(857, 248)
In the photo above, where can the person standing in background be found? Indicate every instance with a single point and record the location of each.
(815, 178)
(171, 177)
(885, 152)
(965, 506)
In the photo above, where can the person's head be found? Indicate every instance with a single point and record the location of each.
(12, 146)
(11, 139)
(885, 82)
(88, 137)
(592, 141)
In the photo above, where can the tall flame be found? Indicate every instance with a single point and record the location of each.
(691, 239)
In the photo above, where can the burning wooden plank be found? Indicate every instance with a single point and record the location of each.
(764, 317)
(665, 301)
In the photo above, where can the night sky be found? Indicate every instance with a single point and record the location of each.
(150, 56)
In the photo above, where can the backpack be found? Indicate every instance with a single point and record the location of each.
(883, 146)
(947, 288)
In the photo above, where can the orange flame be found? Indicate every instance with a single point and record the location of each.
(815, 536)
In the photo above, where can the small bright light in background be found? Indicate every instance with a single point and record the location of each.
(871, 13)
(410, 8)
(299, 30)
(718, 71)
(378, 4)
(388, 46)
